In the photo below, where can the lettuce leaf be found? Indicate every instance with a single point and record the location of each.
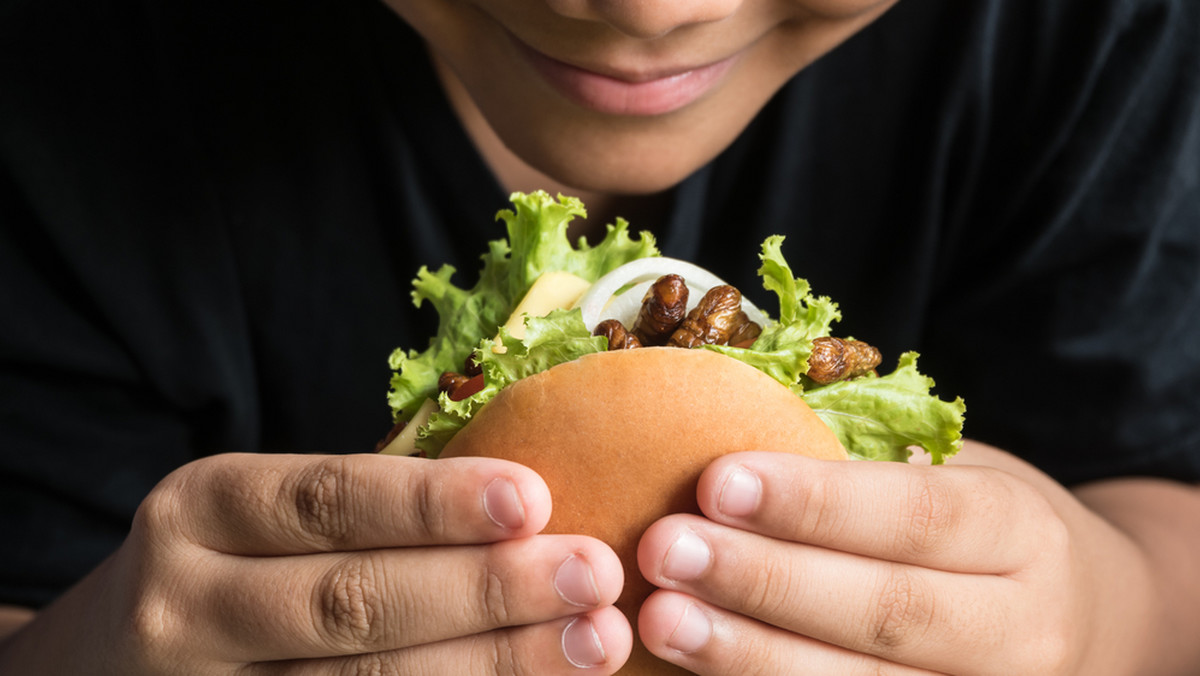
(881, 417)
(537, 243)
(875, 417)
(557, 338)
(783, 348)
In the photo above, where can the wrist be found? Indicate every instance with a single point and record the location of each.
(1156, 595)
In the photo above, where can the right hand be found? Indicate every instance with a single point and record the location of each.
(270, 564)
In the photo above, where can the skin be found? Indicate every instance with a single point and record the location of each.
(532, 136)
(249, 565)
(246, 564)
(982, 566)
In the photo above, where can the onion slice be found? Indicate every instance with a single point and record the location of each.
(601, 301)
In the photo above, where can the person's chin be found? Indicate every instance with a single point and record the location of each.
(616, 156)
(568, 124)
(624, 166)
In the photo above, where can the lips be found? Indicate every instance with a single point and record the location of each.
(643, 95)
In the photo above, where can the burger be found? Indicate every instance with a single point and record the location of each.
(618, 374)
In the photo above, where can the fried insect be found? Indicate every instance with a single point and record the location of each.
(471, 367)
(663, 309)
(712, 321)
(746, 332)
(458, 386)
(835, 359)
(618, 337)
(450, 381)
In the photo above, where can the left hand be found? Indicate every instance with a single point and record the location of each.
(983, 566)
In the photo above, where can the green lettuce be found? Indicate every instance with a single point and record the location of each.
(875, 417)
(537, 243)
(882, 417)
(557, 338)
(783, 348)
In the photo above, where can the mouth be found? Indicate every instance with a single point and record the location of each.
(634, 94)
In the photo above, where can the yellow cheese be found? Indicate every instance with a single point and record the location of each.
(552, 291)
(405, 443)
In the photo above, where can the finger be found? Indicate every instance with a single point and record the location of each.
(594, 643)
(345, 604)
(968, 519)
(270, 505)
(710, 641)
(897, 612)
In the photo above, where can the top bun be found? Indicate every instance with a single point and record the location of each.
(621, 438)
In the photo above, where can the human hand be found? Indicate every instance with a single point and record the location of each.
(812, 567)
(268, 564)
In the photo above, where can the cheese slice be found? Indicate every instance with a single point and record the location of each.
(552, 291)
(405, 443)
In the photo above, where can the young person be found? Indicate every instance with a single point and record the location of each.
(210, 213)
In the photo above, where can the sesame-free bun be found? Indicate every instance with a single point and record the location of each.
(621, 438)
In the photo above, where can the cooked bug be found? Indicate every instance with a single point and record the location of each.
(471, 367)
(746, 331)
(663, 309)
(835, 359)
(618, 337)
(450, 381)
(712, 321)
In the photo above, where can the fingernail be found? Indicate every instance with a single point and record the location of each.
(740, 494)
(575, 582)
(687, 558)
(503, 504)
(692, 632)
(581, 644)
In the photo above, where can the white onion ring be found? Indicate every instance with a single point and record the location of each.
(601, 302)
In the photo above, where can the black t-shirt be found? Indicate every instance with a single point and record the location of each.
(210, 213)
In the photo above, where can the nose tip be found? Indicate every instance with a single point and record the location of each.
(646, 19)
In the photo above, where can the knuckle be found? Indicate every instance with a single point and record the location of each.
(823, 509)
(1047, 654)
(321, 507)
(349, 608)
(493, 598)
(504, 655)
(164, 510)
(932, 519)
(159, 511)
(425, 497)
(1054, 535)
(148, 626)
(877, 667)
(771, 589)
(1047, 536)
(754, 656)
(370, 664)
(1052, 638)
(155, 625)
(904, 611)
(764, 661)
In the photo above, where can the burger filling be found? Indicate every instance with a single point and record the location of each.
(541, 301)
